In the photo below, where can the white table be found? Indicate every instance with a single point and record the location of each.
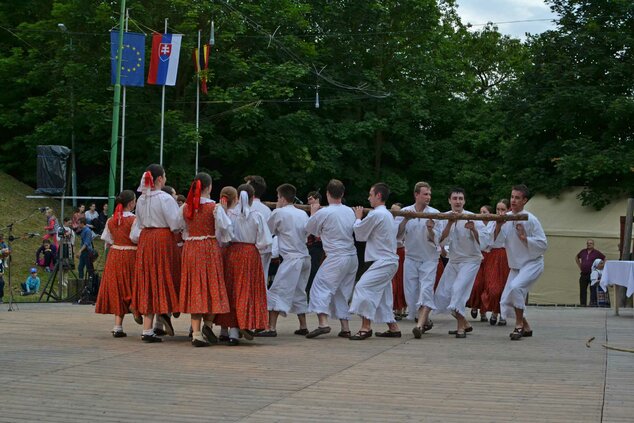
(618, 272)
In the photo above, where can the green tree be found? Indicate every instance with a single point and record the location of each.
(571, 113)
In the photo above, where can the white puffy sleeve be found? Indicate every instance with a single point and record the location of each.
(263, 238)
(106, 236)
(224, 226)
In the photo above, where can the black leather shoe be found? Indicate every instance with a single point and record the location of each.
(233, 342)
(150, 339)
(223, 338)
(388, 334)
(159, 332)
(418, 332)
(247, 334)
(165, 319)
(209, 334)
(302, 332)
(467, 330)
(319, 331)
(199, 343)
(119, 334)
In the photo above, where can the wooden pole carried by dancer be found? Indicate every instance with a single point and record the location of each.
(438, 216)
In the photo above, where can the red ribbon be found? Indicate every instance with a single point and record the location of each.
(118, 213)
(148, 180)
(193, 199)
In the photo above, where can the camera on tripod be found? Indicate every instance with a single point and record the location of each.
(67, 255)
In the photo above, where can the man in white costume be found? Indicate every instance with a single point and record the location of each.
(525, 244)
(372, 298)
(259, 186)
(421, 259)
(287, 294)
(463, 239)
(334, 281)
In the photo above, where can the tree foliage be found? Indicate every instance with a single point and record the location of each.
(406, 93)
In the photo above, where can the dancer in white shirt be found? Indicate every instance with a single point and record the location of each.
(287, 294)
(259, 187)
(463, 240)
(372, 298)
(525, 244)
(334, 281)
(156, 278)
(421, 259)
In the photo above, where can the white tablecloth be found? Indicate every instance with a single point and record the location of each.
(620, 273)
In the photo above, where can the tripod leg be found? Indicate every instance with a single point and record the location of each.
(50, 286)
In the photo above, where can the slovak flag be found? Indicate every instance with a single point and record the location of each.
(164, 61)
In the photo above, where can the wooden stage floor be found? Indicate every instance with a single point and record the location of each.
(59, 363)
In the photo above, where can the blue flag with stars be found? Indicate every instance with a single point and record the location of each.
(133, 58)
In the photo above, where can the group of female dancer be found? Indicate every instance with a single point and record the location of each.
(146, 272)
(489, 283)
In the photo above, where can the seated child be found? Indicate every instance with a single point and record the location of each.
(32, 284)
(46, 255)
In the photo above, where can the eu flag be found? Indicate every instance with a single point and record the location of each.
(133, 58)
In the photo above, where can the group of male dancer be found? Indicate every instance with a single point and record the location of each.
(334, 294)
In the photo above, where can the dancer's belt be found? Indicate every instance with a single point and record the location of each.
(124, 247)
(200, 238)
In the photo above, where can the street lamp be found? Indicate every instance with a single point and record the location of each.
(73, 171)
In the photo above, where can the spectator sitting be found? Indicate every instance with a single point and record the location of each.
(32, 284)
(91, 214)
(46, 255)
(99, 223)
(79, 212)
(69, 231)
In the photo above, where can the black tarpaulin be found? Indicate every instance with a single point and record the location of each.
(51, 169)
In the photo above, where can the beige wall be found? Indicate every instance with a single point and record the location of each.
(560, 282)
(568, 225)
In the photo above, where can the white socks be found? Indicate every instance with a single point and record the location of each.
(234, 333)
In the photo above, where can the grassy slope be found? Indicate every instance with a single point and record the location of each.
(15, 207)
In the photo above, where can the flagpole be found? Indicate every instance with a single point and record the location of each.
(162, 112)
(115, 114)
(198, 106)
(127, 18)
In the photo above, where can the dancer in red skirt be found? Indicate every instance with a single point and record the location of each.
(244, 276)
(115, 292)
(475, 299)
(156, 282)
(203, 293)
(398, 292)
(496, 273)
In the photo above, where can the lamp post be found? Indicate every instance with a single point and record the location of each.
(73, 175)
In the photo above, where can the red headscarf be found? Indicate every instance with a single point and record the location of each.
(193, 199)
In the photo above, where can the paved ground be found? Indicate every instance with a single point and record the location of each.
(59, 363)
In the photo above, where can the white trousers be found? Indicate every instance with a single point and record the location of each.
(372, 296)
(266, 262)
(287, 294)
(418, 285)
(333, 285)
(517, 286)
(454, 287)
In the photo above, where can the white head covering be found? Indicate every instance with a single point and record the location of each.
(144, 186)
(243, 204)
